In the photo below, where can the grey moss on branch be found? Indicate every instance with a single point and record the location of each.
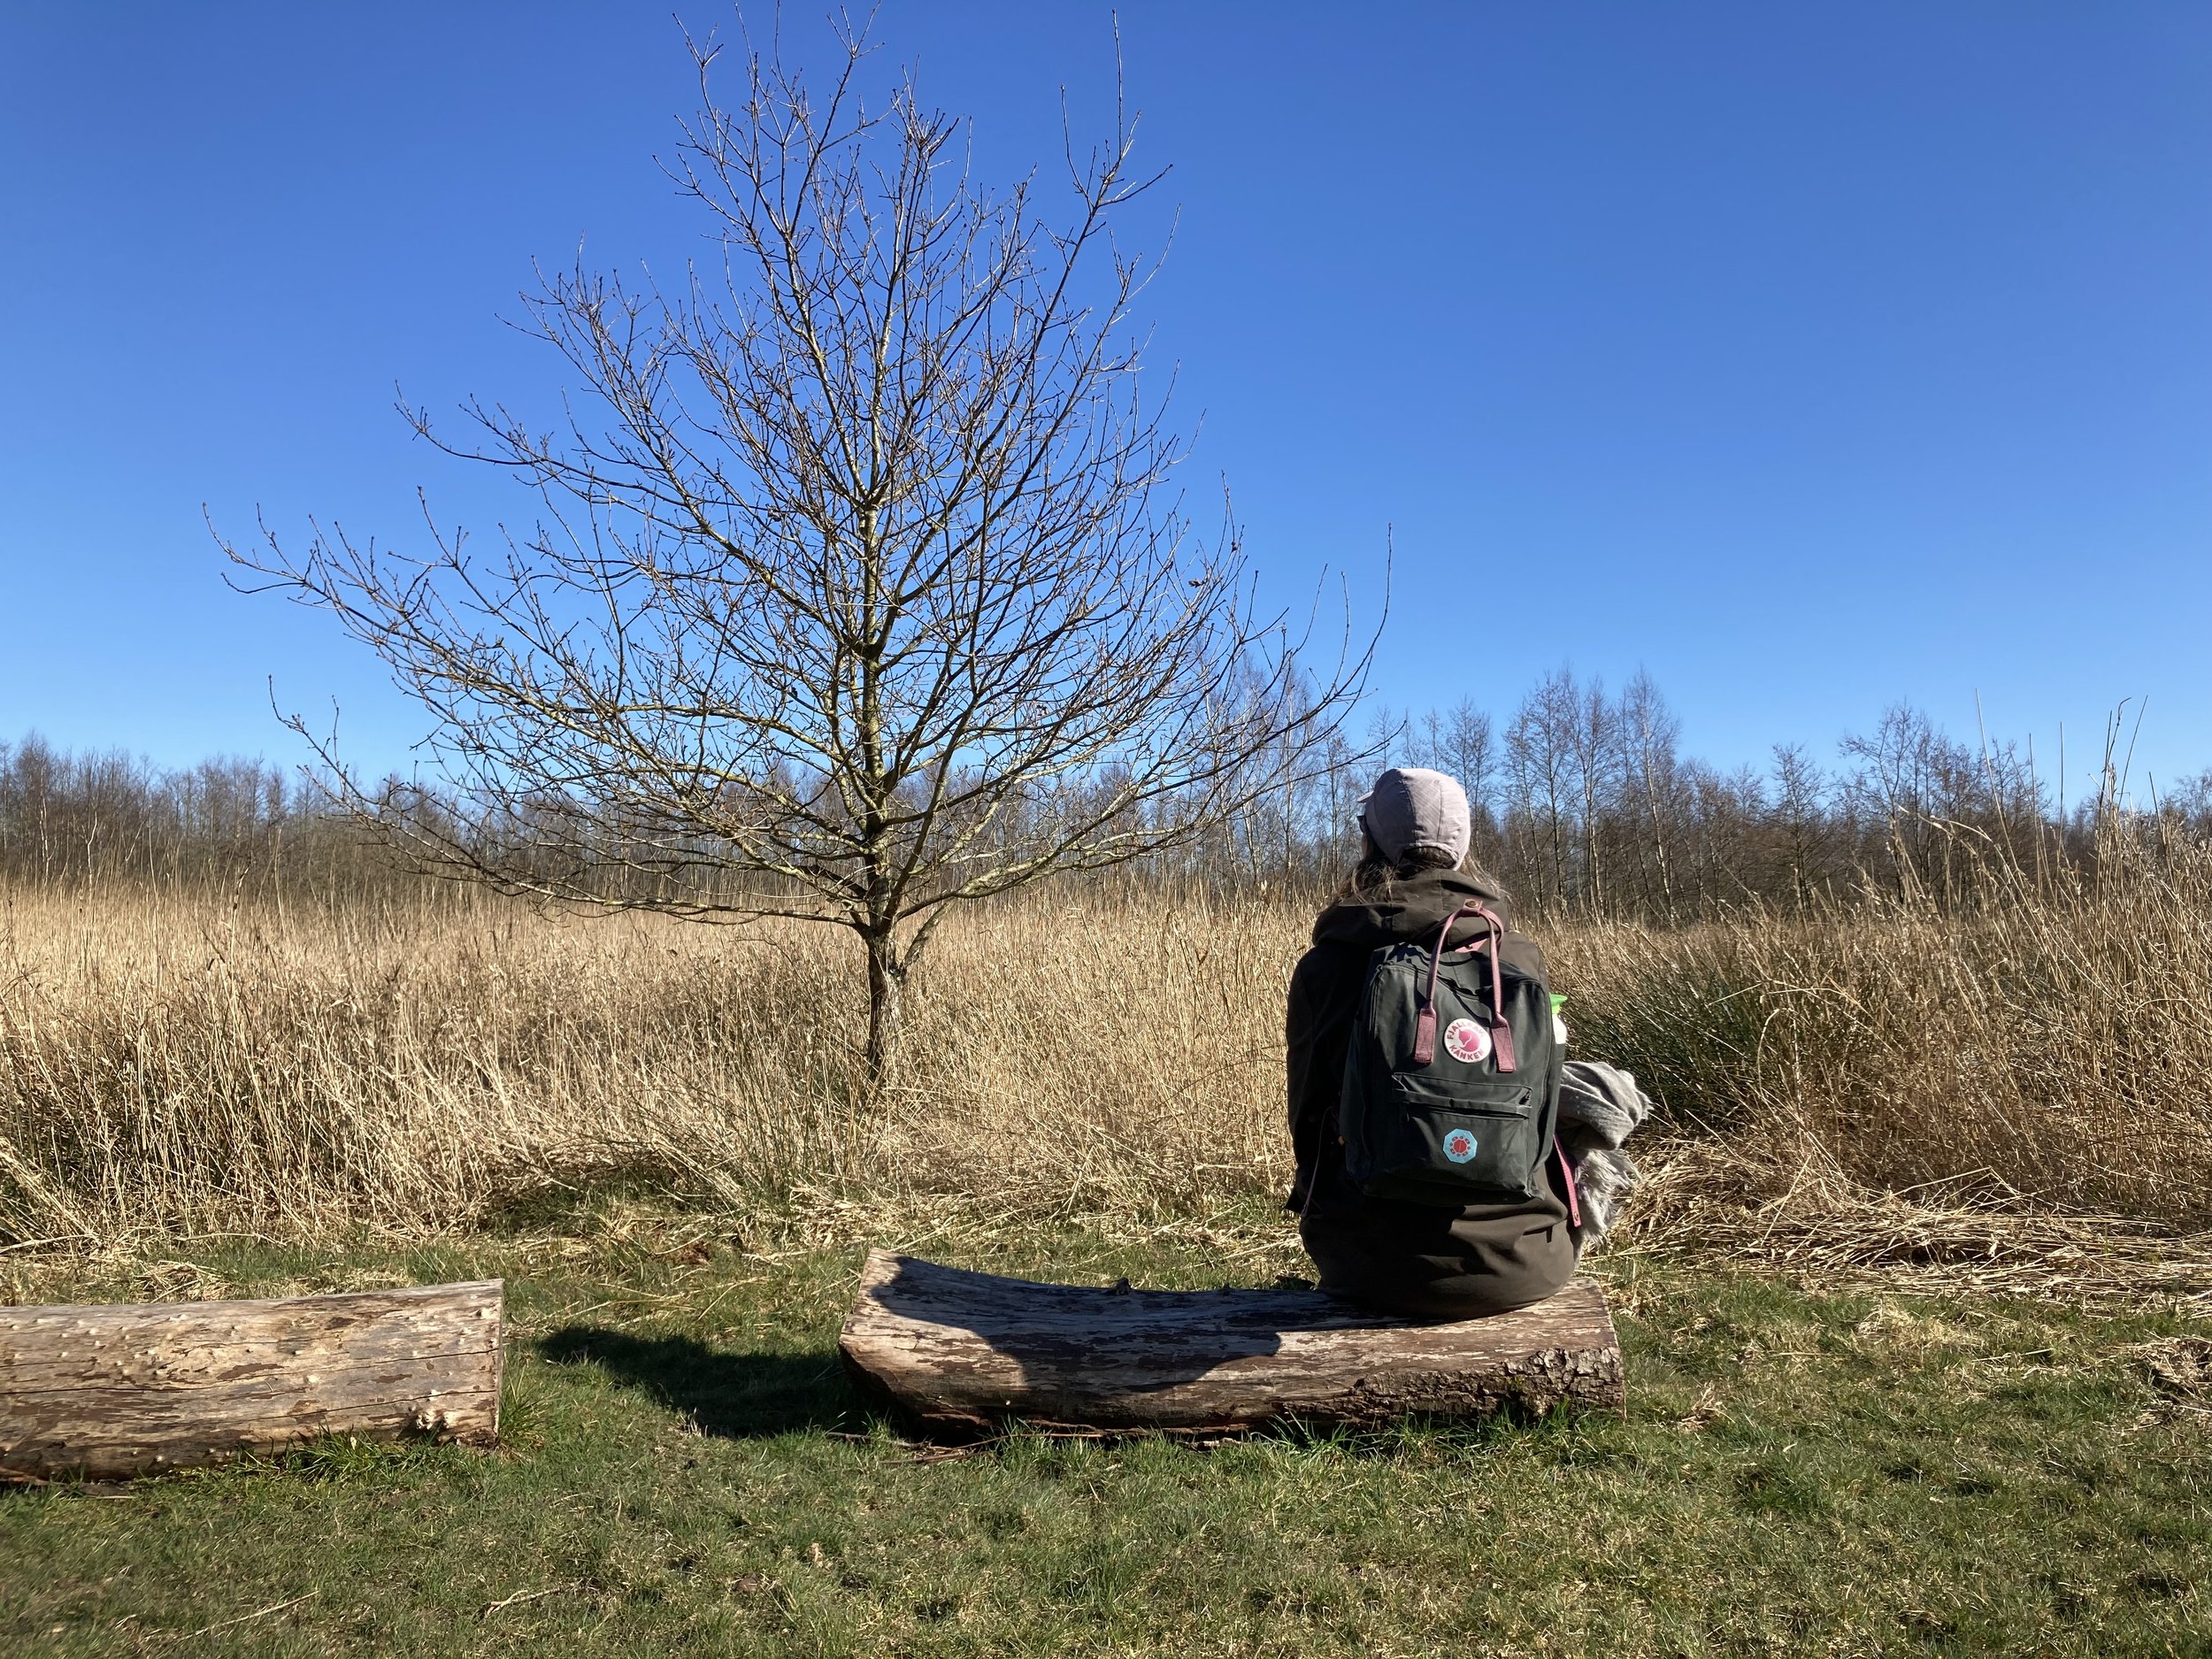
(859, 588)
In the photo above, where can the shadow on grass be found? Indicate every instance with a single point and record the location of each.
(1513, 1427)
(735, 1395)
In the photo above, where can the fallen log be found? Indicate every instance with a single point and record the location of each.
(108, 1391)
(959, 1351)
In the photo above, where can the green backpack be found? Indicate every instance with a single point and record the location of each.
(1451, 1081)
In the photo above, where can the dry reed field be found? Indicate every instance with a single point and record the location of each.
(2014, 1084)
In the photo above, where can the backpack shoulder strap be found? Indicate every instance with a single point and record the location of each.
(1501, 1033)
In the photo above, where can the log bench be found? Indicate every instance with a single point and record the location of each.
(960, 1352)
(106, 1391)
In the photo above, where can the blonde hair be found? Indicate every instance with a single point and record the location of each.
(1376, 877)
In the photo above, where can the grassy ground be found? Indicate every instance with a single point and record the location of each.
(685, 1470)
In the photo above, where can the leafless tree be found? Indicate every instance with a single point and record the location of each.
(1916, 783)
(1593, 749)
(1800, 821)
(1650, 771)
(859, 590)
(1540, 749)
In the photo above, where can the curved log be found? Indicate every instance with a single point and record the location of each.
(962, 1351)
(107, 1390)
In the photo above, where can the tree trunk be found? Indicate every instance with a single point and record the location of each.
(886, 1000)
(126, 1390)
(961, 1351)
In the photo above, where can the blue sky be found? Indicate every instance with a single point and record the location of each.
(1809, 356)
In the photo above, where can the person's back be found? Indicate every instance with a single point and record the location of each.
(1425, 1260)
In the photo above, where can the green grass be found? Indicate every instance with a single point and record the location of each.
(685, 1470)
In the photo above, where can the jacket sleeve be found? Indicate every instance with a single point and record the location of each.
(1315, 1027)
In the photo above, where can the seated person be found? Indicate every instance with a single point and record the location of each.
(1423, 1260)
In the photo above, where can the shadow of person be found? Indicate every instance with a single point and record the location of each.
(1098, 1345)
(738, 1395)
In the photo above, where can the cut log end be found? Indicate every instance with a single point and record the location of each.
(962, 1352)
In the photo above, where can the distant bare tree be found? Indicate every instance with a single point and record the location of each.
(1800, 819)
(1544, 747)
(1915, 782)
(857, 593)
(1467, 748)
(1593, 753)
(1650, 773)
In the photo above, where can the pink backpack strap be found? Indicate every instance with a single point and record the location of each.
(1501, 1034)
(1425, 1025)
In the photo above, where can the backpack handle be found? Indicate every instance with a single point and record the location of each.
(1501, 1033)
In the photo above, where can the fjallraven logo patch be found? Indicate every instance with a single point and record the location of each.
(1459, 1145)
(1464, 1040)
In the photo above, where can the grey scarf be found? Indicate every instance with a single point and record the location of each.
(1599, 1106)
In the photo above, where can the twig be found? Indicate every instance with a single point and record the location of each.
(247, 1618)
(945, 1453)
(529, 1596)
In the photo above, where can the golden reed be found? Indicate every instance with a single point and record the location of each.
(180, 1062)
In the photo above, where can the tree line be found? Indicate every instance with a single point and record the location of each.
(88, 820)
(1584, 802)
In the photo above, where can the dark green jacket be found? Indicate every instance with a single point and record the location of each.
(1418, 1259)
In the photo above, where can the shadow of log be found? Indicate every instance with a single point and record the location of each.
(733, 1396)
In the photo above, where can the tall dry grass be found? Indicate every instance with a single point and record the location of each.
(2049, 1047)
(171, 1062)
(180, 1064)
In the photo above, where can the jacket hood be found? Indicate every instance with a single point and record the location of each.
(1414, 909)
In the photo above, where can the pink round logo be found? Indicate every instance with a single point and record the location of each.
(1464, 1040)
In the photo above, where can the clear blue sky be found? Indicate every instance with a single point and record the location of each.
(1811, 357)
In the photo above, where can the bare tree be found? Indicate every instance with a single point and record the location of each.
(859, 592)
(1650, 771)
(1591, 747)
(1540, 747)
(1467, 749)
(1800, 819)
(1914, 781)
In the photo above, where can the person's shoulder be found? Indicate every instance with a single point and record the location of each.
(1324, 962)
(1314, 960)
(1523, 955)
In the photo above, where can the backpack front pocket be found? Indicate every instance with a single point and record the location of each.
(1447, 1145)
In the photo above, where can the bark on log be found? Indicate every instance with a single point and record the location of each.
(961, 1351)
(108, 1391)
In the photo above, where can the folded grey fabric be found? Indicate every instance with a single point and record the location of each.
(1599, 1106)
(1603, 1181)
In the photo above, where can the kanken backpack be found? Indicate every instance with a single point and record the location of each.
(1451, 1081)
